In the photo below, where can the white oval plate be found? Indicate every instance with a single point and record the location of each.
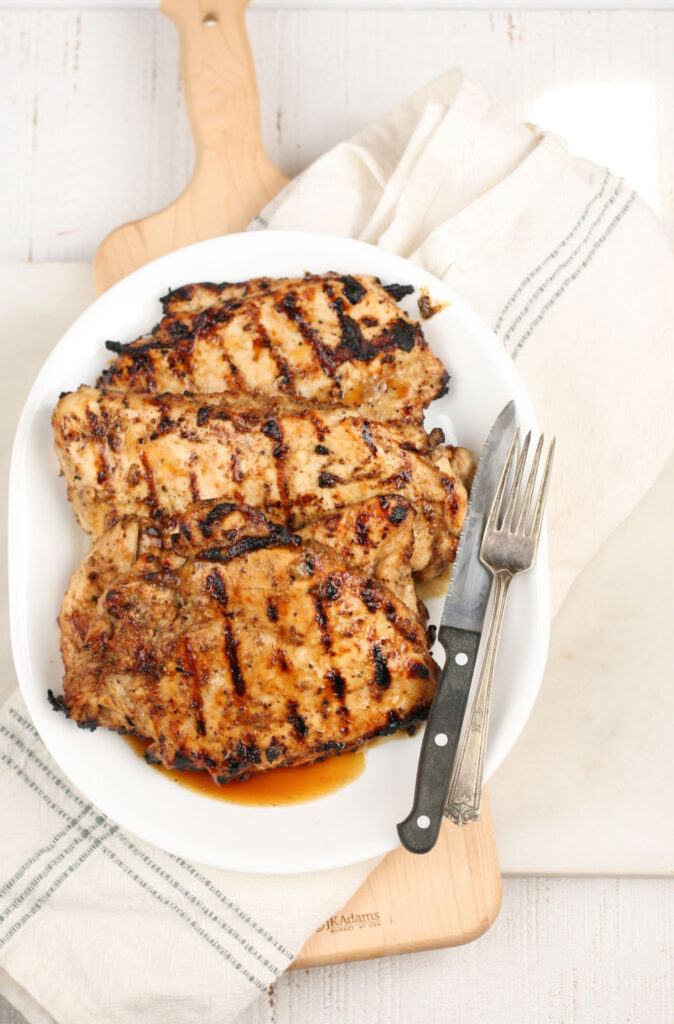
(45, 545)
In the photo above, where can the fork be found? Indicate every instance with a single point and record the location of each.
(509, 546)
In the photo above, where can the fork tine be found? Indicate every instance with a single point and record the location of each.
(495, 510)
(515, 490)
(526, 503)
(539, 507)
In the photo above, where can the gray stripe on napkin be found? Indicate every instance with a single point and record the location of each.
(554, 254)
(574, 276)
(565, 263)
(188, 868)
(60, 856)
(208, 884)
(100, 842)
(85, 815)
(38, 854)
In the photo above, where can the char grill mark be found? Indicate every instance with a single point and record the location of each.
(382, 676)
(191, 671)
(354, 345)
(272, 429)
(276, 537)
(367, 437)
(398, 291)
(398, 514)
(231, 652)
(323, 623)
(353, 290)
(337, 683)
(326, 479)
(285, 376)
(370, 596)
(403, 335)
(215, 585)
(327, 358)
(215, 515)
(300, 727)
(362, 528)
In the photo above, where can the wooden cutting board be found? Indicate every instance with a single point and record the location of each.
(408, 903)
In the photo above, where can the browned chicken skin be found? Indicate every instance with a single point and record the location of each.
(125, 454)
(329, 339)
(236, 646)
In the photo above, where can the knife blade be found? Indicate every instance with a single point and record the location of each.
(459, 633)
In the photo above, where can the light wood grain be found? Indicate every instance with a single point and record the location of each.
(410, 903)
(233, 176)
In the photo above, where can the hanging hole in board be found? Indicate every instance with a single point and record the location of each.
(461, 659)
(210, 19)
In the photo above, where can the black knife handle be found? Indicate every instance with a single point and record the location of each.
(419, 831)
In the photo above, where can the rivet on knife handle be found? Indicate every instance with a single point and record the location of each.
(419, 832)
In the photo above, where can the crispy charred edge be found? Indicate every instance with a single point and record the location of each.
(398, 291)
(242, 762)
(186, 292)
(240, 289)
(353, 289)
(278, 536)
(428, 307)
(59, 702)
(242, 543)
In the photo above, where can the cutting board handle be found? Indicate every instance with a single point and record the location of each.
(221, 94)
(234, 177)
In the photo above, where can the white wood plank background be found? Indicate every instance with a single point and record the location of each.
(95, 131)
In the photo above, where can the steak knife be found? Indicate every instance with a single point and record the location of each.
(459, 634)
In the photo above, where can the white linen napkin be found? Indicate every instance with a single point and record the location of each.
(573, 273)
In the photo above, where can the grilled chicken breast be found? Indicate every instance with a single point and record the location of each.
(236, 646)
(125, 454)
(328, 339)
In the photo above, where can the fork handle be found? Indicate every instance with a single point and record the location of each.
(440, 740)
(465, 785)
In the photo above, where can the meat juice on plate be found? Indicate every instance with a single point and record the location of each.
(275, 788)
